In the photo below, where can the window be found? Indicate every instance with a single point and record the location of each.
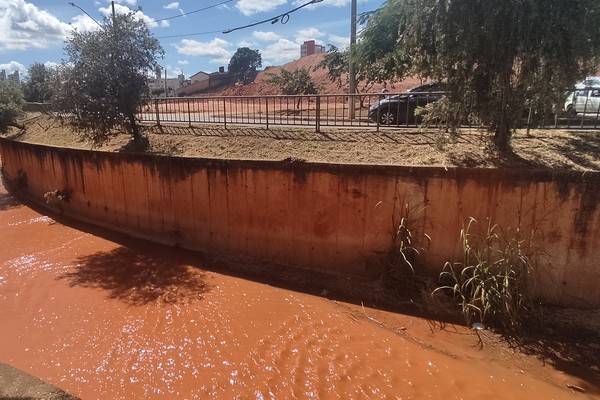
(595, 93)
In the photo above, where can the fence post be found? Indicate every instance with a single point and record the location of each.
(267, 111)
(224, 114)
(157, 113)
(318, 116)
(189, 113)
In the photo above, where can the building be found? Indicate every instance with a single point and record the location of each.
(15, 77)
(158, 86)
(309, 48)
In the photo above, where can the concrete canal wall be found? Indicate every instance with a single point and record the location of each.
(333, 218)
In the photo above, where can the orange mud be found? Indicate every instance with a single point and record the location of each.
(106, 320)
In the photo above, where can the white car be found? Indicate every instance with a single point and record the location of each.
(585, 99)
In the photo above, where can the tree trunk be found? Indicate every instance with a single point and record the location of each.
(134, 129)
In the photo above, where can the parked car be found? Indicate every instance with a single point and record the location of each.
(400, 109)
(585, 98)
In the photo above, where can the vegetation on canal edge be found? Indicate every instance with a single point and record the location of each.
(493, 283)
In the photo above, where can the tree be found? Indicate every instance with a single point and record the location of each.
(337, 64)
(37, 86)
(497, 57)
(244, 60)
(11, 104)
(294, 83)
(104, 80)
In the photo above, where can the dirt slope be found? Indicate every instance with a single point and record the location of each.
(319, 76)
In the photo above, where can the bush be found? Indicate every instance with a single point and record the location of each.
(11, 104)
(493, 283)
(403, 271)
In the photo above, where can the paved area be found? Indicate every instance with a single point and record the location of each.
(16, 384)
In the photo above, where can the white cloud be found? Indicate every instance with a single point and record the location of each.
(216, 49)
(172, 6)
(308, 34)
(23, 26)
(280, 52)
(246, 43)
(341, 42)
(266, 36)
(14, 66)
(84, 23)
(183, 62)
(130, 2)
(249, 7)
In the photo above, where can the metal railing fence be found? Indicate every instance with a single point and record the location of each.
(372, 110)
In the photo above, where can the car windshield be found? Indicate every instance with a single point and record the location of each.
(430, 87)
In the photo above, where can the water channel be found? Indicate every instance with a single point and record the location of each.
(104, 317)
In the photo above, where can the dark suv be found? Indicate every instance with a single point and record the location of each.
(400, 109)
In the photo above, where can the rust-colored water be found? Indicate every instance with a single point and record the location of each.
(107, 321)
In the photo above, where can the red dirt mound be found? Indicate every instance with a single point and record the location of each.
(261, 87)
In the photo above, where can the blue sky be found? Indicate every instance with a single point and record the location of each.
(34, 30)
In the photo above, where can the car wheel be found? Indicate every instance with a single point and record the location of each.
(387, 118)
(571, 111)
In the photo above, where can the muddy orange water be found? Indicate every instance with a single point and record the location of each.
(106, 320)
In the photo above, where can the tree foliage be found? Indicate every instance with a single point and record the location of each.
(37, 87)
(11, 103)
(337, 63)
(294, 82)
(244, 60)
(104, 83)
(497, 57)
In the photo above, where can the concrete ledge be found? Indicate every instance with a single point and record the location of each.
(16, 384)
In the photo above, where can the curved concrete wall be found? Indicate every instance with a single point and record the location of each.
(332, 218)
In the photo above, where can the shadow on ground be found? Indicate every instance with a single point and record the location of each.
(568, 347)
(138, 278)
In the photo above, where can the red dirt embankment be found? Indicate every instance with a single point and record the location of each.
(319, 76)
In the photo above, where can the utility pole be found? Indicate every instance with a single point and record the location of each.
(166, 90)
(112, 4)
(351, 67)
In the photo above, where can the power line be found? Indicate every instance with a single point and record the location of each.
(195, 11)
(282, 17)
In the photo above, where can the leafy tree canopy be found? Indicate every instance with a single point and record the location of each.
(37, 87)
(294, 82)
(11, 103)
(497, 57)
(337, 63)
(104, 80)
(244, 60)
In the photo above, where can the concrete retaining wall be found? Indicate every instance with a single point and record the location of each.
(333, 218)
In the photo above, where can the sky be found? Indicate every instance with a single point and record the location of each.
(34, 31)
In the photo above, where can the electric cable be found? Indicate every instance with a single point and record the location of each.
(283, 18)
(195, 11)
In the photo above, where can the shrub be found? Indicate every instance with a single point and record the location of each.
(11, 104)
(402, 269)
(493, 283)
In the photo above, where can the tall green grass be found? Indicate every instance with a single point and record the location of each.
(493, 283)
